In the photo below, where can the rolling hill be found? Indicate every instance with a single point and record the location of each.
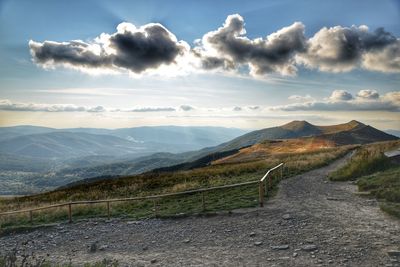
(98, 149)
(294, 137)
(32, 141)
(353, 132)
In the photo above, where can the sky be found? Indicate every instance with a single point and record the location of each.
(244, 64)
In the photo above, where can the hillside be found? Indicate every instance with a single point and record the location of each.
(309, 222)
(353, 132)
(102, 163)
(66, 145)
(128, 143)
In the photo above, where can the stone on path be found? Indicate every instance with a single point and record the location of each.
(393, 253)
(309, 247)
(281, 247)
(286, 217)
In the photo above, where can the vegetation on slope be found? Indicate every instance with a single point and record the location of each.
(375, 173)
(167, 182)
(385, 186)
(367, 159)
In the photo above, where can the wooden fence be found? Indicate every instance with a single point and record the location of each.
(262, 189)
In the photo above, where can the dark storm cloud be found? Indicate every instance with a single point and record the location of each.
(147, 48)
(130, 48)
(153, 48)
(228, 47)
(75, 53)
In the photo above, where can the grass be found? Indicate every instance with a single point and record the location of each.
(19, 257)
(391, 208)
(368, 159)
(376, 174)
(168, 182)
(385, 186)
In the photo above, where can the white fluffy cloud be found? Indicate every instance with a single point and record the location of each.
(368, 94)
(340, 100)
(341, 49)
(340, 95)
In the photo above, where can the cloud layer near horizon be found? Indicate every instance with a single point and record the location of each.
(7, 105)
(341, 100)
(152, 48)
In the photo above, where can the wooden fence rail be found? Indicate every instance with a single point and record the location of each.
(262, 190)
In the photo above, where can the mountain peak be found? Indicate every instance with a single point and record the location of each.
(297, 125)
(355, 123)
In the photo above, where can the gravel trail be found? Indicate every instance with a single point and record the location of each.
(310, 222)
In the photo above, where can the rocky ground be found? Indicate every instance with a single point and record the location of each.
(311, 222)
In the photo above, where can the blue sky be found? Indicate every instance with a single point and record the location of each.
(33, 94)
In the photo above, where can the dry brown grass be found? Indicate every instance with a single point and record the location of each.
(273, 148)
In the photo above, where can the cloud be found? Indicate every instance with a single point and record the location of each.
(299, 98)
(186, 108)
(368, 94)
(340, 95)
(340, 100)
(228, 48)
(153, 49)
(236, 109)
(130, 48)
(152, 109)
(254, 107)
(342, 49)
(383, 60)
(8, 105)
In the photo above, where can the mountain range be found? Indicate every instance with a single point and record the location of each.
(39, 158)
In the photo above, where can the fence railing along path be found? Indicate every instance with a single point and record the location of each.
(262, 189)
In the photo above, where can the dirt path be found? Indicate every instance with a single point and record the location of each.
(311, 222)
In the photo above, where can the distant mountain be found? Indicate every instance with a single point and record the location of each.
(393, 132)
(31, 162)
(352, 132)
(67, 145)
(11, 132)
(32, 141)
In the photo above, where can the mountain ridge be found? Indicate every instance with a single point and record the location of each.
(97, 167)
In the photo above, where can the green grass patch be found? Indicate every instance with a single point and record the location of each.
(168, 182)
(391, 208)
(383, 185)
(375, 173)
(367, 159)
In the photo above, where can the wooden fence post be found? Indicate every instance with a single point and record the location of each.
(31, 217)
(261, 193)
(203, 203)
(108, 209)
(155, 208)
(70, 212)
(270, 181)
